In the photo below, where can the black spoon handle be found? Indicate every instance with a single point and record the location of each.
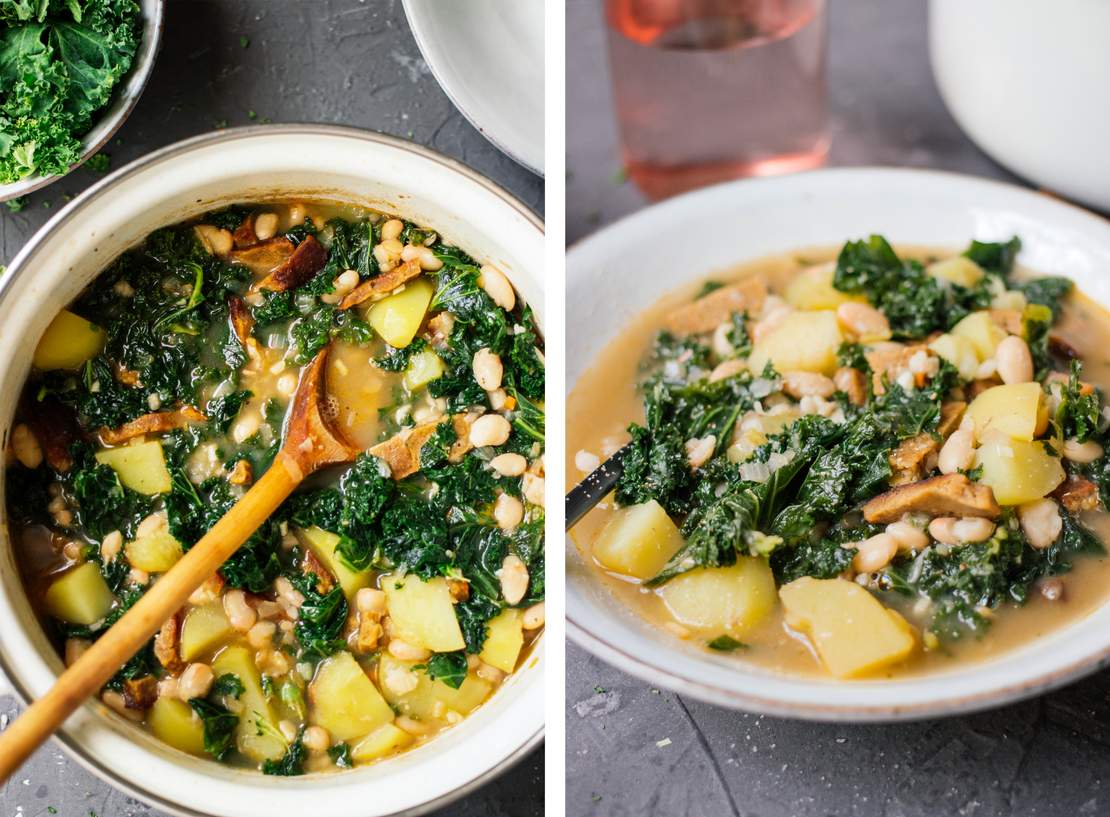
(595, 486)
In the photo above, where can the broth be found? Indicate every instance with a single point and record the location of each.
(377, 607)
(607, 397)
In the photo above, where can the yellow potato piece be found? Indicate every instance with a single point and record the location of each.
(813, 288)
(423, 368)
(982, 331)
(504, 640)
(428, 699)
(1014, 410)
(852, 632)
(958, 351)
(382, 742)
(80, 596)
(727, 600)
(154, 553)
(959, 270)
(257, 735)
(422, 613)
(322, 543)
(344, 700)
(397, 317)
(1017, 471)
(804, 341)
(638, 541)
(175, 723)
(140, 466)
(204, 629)
(68, 342)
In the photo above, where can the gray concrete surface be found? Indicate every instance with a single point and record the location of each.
(337, 61)
(1048, 756)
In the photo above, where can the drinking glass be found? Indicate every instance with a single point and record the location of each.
(708, 90)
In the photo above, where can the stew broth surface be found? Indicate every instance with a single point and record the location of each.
(606, 398)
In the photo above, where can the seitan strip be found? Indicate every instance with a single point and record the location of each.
(909, 458)
(946, 495)
(154, 423)
(166, 644)
(1077, 494)
(311, 565)
(401, 452)
(265, 256)
(707, 313)
(140, 693)
(299, 268)
(951, 415)
(244, 235)
(462, 443)
(381, 285)
(242, 324)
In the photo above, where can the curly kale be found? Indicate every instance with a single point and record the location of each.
(319, 627)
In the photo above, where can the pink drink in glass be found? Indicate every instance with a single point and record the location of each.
(708, 90)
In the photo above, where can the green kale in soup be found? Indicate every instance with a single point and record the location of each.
(130, 456)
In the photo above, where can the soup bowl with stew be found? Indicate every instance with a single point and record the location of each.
(791, 271)
(332, 170)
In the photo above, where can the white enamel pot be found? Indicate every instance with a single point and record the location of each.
(244, 165)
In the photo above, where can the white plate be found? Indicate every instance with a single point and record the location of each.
(623, 269)
(488, 57)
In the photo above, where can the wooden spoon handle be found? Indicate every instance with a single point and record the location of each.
(113, 649)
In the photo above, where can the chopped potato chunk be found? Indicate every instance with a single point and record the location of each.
(140, 466)
(177, 724)
(68, 342)
(397, 317)
(982, 331)
(382, 742)
(813, 289)
(422, 613)
(323, 544)
(959, 270)
(727, 600)
(345, 701)
(204, 629)
(1015, 410)
(412, 692)
(257, 735)
(853, 633)
(803, 342)
(155, 553)
(80, 596)
(504, 640)
(1018, 471)
(638, 541)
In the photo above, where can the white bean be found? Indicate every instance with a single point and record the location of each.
(488, 369)
(287, 384)
(392, 229)
(489, 429)
(973, 529)
(909, 537)
(807, 384)
(194, 682)
(26, 446)
(497, 286)
(214, 239)
(1081, 452)
(399, 648)
(316, 739)
(699, 450)
(1015, 362)
(514, 578)
(240, 615)
(369, 601)
(586, 461)
(265, 225)
(150, 525)
(1041, 522)
(874, 553)
(942, 529)
(958, 452)
(533, 617)
(865, 322)
(509, 465)
(532, 487)
(261, 634)
(727, 369)
(111, 545)
(508, 511)
(772, 319)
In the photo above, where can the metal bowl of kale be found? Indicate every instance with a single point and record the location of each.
(71, 72)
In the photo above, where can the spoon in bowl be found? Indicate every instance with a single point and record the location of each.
(591, 490)
(311, 442)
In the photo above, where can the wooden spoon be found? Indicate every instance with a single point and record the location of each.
(310, 443)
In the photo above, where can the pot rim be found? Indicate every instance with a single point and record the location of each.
(23, 262)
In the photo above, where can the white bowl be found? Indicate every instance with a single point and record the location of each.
(175, 183)
(623, 269)
(124, 99)
(1028, 83)
(487, 55)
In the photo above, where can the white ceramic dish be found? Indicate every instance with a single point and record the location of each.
(747, 220)
(123, 101)
(488, 57)
(1032, 92)
(177, 182)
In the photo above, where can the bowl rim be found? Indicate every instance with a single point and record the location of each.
(672, 674)
(23, 261)
(124, 99)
